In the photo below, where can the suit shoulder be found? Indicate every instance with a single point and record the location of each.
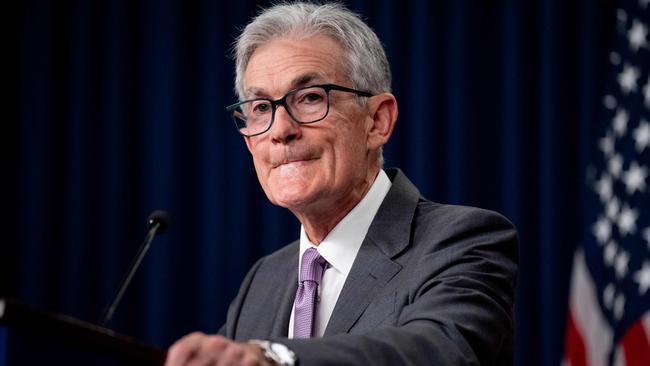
(435, 214)
(283, 260)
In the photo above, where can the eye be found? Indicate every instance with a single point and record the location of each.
(311, 96)
(261, 107)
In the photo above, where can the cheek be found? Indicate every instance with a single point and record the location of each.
(261, 168)
(352, 132)
(350, 147)
(259, 152)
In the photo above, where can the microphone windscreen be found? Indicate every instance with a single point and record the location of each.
(160, 217)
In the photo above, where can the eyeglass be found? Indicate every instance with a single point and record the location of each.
(304, 105)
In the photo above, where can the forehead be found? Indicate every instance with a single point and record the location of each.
(287, 62)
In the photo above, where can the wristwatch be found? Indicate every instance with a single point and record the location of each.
(277, 352)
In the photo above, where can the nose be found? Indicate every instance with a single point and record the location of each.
(284, 128)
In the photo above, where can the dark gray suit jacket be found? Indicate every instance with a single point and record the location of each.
(432, 285)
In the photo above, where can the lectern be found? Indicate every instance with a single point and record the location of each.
(35, 335)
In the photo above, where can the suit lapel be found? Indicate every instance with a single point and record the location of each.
(373, 268)
(281, 323)
(370, 272)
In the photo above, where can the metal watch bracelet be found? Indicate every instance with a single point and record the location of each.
(278, 353)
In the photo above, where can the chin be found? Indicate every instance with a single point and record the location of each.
(291, 186)
(292, 198)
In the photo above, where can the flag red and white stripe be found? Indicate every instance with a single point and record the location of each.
(589, 337)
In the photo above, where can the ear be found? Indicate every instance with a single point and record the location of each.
(382, 115)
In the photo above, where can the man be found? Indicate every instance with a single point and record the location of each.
(379, 275)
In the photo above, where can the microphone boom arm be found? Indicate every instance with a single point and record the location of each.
(157, 224)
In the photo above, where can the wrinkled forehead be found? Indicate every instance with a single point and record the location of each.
(300, 80)
(286, 63)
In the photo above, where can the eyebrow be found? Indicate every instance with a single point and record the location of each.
(304, 79)
(297, 82)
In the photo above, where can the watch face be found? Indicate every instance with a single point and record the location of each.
(283, 352)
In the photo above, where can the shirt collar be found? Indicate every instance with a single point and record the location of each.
(341, 245)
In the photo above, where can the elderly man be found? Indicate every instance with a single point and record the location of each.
(380, 276)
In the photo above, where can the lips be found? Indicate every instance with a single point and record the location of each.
(292, 156)
(286, 161)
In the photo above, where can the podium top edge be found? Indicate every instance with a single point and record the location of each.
(67, 329)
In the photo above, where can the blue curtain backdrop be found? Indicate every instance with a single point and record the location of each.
(117, 109)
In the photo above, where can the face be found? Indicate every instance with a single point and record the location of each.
(319, 166)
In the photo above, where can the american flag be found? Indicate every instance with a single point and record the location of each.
(608, 322)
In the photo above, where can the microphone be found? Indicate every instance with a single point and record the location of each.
(157, 224)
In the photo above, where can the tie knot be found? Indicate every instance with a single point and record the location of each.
(312, 266)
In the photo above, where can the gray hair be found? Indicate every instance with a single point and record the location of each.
(364, 56)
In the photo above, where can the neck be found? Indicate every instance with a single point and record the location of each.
(318, 222)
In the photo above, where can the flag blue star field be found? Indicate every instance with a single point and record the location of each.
(609, 313)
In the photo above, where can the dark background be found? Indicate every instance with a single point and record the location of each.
(116, 108)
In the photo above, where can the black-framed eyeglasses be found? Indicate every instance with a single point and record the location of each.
(305, 105)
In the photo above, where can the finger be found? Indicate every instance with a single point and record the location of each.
(242, 354)
(184, 349)
(231, 355)
(254, 358)
(212, 348)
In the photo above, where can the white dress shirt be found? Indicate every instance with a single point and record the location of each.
(340, 248)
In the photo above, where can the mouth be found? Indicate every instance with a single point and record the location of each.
(296, 161)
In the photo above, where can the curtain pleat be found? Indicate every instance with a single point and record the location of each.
(120, 111)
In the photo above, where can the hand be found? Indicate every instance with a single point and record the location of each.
(201, 349)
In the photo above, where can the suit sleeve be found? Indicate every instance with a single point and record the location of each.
(457, 304)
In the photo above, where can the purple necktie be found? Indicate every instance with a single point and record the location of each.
(311, 273)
